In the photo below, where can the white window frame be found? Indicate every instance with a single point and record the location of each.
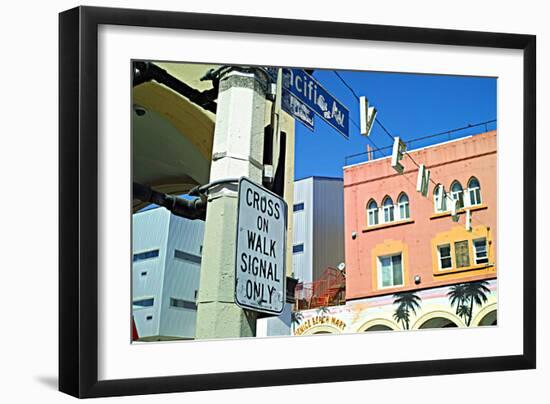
(456, 194)
(390, 209)
(439, 257)
(379, 271)
(473, 189)
(405, 204)
(375, 214)
(475, 251)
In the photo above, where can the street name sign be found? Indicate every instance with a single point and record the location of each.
(293, 106)
(303, 96)
(260, 277)
(308, 90)
(298, 110)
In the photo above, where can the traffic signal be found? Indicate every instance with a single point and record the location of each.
(399, 149)
(367, 116)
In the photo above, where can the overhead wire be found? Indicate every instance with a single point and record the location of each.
(387, 132)
(376, 148)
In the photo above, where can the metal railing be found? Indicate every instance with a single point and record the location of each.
(423, 141)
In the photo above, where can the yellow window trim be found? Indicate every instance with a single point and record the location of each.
(459, 233)
(390, 247)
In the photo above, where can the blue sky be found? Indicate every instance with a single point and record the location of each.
(409, 105)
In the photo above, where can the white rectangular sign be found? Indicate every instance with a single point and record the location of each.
(260, 277)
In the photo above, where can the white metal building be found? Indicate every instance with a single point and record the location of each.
(318, 234)
(318, 239)
(166, 261)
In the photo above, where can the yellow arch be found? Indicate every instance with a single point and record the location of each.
(194, 123)
(483, 312)
(324, 328)
(438, 313)
(378, 321)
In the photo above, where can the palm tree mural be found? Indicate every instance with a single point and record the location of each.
(401, 317)
(407, 302)
(296, 318)
(457, 297)
(477, 293)
(467, 295)
(463, 312)
(323, 311)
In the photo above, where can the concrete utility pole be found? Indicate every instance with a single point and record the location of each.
(237, 151)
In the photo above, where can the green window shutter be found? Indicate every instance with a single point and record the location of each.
(462, 254)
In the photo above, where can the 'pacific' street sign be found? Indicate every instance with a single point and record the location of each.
(302, 95)
(308, 90)
(260, 278)
(298, 110)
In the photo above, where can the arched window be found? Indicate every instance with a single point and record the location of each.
(372, 213)
(387, 206)
(474, 192)
(440, 198)
(457, 194)
(403, 204)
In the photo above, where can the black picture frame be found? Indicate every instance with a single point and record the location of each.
(78, 196)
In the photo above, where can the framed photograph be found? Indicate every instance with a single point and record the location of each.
(249, 201)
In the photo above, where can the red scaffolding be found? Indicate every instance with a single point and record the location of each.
(328, 290)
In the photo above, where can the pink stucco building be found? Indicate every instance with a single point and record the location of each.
(398, 240)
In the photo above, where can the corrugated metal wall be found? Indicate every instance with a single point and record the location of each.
(303, 230)
(149, 233)
(166, 276)
(182, 276)
(328, 224)
(319, 226)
